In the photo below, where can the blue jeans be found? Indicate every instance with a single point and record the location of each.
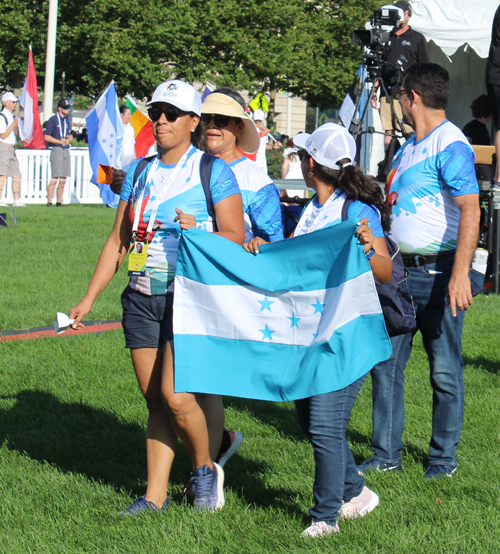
(323, 418)
(442, 338)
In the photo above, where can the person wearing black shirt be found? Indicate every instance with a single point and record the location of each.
(476, 130)
(404, 48)
(493, 86)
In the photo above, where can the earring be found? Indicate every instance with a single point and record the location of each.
(310, 174)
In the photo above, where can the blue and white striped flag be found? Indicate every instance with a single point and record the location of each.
(105, 132)
(299, 319)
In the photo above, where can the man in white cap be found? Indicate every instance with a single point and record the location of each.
(9, 165)
(261, 160)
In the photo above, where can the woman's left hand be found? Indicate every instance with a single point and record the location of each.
(365, 235)
(252, 245)
(186, 221)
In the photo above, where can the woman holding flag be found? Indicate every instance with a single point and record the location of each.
(166, 197)
(327, 167)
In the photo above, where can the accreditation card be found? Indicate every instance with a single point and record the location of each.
(137, 257)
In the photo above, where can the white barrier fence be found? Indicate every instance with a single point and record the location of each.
(36, 175)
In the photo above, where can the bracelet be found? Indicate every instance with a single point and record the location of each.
(370, 254)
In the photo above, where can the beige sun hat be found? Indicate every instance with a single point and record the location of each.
(217, 103)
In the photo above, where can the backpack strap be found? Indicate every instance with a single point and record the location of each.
(206, 164)
(139, 168)
(345, 207)
(4, 116)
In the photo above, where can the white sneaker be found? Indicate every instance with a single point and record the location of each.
(360, 505)
(19, 204)
(319, 529)
(3, 204)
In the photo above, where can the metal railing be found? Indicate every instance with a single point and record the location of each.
(36, 175)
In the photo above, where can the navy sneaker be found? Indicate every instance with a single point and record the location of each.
(373, 464)
(439, 470)
(231, 441)
(206, 485)
(142, 505)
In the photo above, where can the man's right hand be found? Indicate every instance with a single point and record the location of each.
(374, 102)
(116, 185)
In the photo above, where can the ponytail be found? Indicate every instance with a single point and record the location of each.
(357, 186)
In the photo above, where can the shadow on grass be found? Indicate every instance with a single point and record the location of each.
(81, 439)
(491, 366)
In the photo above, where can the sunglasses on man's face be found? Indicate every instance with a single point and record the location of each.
(171, 113)
(220, 121)
(402, 93)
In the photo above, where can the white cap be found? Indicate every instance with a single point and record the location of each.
(9, 97)
(179, 94)
(259, 115)
(328, 144)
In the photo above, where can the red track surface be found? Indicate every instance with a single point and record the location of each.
(39, 332)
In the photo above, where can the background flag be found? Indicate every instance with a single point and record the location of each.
(30, 128)
(208, 89)
(299, 319)
(143, 128)
(105, 132)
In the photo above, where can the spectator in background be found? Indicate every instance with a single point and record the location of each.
(58, 137)
(261, 161)
(83, 136)
(291, 168)
(493, 88)
(476, 130)
(127, 153)
(9, 166)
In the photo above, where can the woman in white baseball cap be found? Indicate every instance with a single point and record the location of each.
(160, 198)
(327, 161)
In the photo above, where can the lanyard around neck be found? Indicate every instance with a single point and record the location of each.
(152, 170)
(310, 208)
(63, 133)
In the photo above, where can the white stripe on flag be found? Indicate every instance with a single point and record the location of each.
(252, 314)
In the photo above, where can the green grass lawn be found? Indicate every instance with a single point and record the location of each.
(72, 433)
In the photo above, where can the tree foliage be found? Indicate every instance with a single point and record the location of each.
(299, 46)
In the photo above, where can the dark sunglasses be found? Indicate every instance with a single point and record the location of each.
(171, 113)
(221, 121)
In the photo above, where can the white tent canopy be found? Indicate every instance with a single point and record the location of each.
(458, 33)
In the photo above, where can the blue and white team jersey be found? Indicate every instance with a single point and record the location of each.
(185, 193)
(318, 216)
(423, 181)
(261, 201)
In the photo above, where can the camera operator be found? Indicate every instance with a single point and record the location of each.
(404, 48)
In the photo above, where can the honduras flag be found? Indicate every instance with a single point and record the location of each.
(299, 319)
(105, 132)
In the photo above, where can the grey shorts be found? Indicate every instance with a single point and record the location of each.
(60, 161)
(9, 164)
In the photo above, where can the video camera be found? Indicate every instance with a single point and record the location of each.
(382, 21)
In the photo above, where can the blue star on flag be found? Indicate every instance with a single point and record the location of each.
(318, 307)
(267, 333)
(295, 321)
(315, 335)
(266, 304)
(111, 135)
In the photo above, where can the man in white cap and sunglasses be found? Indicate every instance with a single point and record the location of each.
(9, 165)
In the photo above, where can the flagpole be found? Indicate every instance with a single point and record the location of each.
(50, 64)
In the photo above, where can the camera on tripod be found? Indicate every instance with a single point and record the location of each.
(377, 37)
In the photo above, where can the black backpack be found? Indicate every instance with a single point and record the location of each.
(206, 163)
(395, 297)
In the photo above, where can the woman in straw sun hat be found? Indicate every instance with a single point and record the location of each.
(231, 131)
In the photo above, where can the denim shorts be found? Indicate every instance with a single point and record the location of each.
(147, 320)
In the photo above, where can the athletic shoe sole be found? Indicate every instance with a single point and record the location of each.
(221, 500)
(238, 439)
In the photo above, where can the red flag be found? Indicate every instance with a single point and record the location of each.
(30, 129)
